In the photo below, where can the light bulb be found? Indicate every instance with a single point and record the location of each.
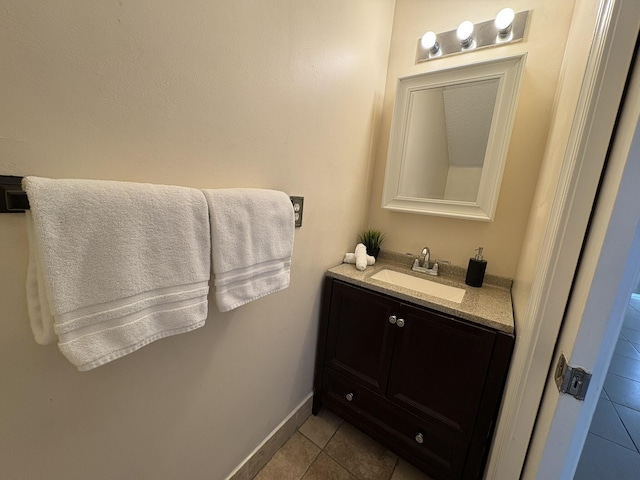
(429, 42)
(504, 21)
(464, 32)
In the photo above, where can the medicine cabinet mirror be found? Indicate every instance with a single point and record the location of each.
(449, 139)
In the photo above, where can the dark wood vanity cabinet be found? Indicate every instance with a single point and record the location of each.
(426, 385)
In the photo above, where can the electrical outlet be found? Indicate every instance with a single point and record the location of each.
(298, 203)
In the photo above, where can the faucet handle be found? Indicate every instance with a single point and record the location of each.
(437, 262)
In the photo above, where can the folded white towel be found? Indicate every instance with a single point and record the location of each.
(251, 240)
(361, 256)
(114, 266)
(351, 258)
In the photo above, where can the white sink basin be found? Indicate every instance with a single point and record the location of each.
(452, 294)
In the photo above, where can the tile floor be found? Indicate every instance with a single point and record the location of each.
(612, 449)
(327, 448)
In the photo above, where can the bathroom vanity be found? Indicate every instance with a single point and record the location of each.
(422, 375)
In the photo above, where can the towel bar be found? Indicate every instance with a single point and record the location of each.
(14, 200)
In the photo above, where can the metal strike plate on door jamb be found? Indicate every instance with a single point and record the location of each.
(571, 380)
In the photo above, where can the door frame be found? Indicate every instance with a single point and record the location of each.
(614, 37)
(605, 279)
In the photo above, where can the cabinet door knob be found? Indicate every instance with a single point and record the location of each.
(400, 322)
(349, 396)
(392, 319)
(419, 438)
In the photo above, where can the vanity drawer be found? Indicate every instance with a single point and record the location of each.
(435, 451)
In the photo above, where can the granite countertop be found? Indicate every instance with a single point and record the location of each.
(489, 305)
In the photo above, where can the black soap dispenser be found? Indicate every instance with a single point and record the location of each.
(475, 272)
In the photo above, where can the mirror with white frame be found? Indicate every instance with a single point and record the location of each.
(449, 139)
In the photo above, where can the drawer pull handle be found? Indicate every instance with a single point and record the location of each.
(392, 319)
(400, 322)
(349, 397)
(419, 438)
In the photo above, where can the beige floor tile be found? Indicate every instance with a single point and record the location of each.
(405, 471)
(291, 461)
(320, 428)
(360, 454)
(325, 468)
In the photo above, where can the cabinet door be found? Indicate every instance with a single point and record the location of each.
(360, 336)
(439, 368)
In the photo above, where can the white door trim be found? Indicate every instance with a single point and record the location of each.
(580, 173)
(600, 295)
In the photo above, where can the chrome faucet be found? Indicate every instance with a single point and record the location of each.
(425, 255)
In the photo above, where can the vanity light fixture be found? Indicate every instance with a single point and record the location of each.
(429, 42)
(506, 27)
(465, 34)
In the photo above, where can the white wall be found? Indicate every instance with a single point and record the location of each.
(280, 94)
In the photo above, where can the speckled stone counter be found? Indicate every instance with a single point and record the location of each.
(489, 305)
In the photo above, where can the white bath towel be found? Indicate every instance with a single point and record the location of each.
(251, 241)
(114, 266)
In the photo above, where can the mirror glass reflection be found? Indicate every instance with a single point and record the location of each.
(449, 139)
(447, 135)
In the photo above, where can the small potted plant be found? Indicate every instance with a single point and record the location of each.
(372, 239)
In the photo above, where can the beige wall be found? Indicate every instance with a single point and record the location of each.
(281, 94)
(573, 72)
(453, 239)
